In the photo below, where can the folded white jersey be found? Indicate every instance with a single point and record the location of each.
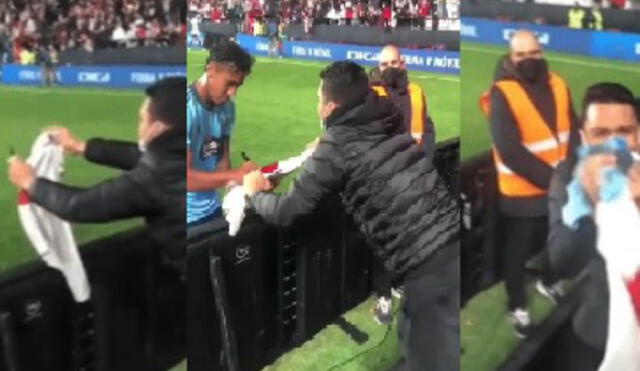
(235, 202)
(50, 236)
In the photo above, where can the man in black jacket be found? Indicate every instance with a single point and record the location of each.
(608, 110)
(152, 186)
(396, 199)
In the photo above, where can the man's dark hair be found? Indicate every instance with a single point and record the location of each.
(608, 92)
(231, 54)
(168, 102)
(345, 83)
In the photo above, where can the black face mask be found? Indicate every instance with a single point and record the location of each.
(395, 78)
(533, 70)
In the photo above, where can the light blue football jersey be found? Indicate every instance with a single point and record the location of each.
(207, 128)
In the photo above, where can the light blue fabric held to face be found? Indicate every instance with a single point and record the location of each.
(614, 180)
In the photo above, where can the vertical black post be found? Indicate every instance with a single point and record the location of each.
(227, 331)
(8, 342)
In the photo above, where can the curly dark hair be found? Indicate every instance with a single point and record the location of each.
(232, 54)
(345, 83)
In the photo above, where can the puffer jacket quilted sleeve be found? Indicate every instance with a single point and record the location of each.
(321, 174)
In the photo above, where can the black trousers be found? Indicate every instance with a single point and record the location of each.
(524, 238)
(382, 278)
(429, 330)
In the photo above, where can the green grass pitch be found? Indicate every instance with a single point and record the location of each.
(24, 111)
(487, 338)
(276, 117)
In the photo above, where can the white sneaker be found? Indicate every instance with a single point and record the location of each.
(382, 313)
(521, 322)
(555, 292)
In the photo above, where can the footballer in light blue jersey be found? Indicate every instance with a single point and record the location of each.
(208, 133)
(210, 122)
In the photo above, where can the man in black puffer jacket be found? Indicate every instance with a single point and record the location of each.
(395, 197)
(152, 186)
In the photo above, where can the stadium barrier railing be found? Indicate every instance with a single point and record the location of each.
(600, 44)
(282, 286)
(148, 55)
(354, 35)
(481, 268)
(132, 322)
(544, 348)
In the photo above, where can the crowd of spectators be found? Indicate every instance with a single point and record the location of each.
(258, 15)
(52, 26)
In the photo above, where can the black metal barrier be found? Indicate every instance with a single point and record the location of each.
(282, 286)
(446, 159)
(132, 322)
(140, 55)
(481, 269)
(546, 347)
(480, 266)
(401, 36)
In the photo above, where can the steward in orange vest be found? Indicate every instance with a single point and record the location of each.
(532, 125)
(411, 100)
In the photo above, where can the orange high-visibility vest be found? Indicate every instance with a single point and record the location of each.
(550, 147)
(418, 108)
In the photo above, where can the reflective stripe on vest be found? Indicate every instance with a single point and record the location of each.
(535, 134)
(418, 108)
(380, 90)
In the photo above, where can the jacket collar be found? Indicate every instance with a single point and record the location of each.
(372, 115)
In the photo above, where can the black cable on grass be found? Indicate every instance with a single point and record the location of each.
(358, 355)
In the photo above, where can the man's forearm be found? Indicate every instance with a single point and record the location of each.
(198, 181)
(114, 153)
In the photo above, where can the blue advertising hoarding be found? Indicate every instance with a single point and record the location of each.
(129, 76)
(417, 60)
(614, 45)
(603, 44)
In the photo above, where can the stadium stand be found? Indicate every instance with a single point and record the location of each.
(426, 14)
(53, 26)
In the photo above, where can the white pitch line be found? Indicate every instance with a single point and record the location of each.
(70, 91)
(563, 60)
